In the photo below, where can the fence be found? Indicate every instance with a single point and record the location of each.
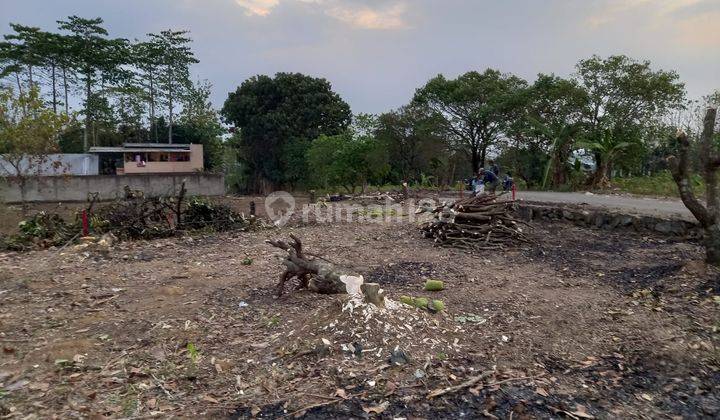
(77, 188)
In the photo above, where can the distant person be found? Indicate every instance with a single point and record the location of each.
(490, 180)
(494, 168)
(478, 184)
(508, 182)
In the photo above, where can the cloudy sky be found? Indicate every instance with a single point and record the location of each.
(377, 52)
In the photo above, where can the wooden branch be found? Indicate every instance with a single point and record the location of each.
(317, 274)
(709, 155)
(680, 169)
(467, 384)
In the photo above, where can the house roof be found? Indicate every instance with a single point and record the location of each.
(155, 146)
(142, 147)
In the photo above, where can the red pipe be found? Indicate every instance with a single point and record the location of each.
(85, 226)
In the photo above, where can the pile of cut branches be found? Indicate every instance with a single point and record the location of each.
(131, 217)
(481, 222)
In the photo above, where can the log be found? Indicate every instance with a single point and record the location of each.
(314, 274)
(321, 276)
(475, 223)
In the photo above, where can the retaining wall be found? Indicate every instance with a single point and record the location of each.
(77, 188)
(607, 219)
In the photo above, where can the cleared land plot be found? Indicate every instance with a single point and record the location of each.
(583, 322)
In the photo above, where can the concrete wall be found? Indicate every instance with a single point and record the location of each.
(76, 188)
(56, 164)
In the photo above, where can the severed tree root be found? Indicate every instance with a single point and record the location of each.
(314, 274)
(321, 276)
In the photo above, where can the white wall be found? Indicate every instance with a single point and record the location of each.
(68, 164)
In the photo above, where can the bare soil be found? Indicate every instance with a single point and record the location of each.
(579, 324)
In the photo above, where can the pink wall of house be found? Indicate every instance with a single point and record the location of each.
(194, 164)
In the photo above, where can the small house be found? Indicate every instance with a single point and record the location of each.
(146, 158)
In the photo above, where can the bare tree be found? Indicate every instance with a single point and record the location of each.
(707, 214)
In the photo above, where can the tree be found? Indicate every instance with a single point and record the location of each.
(414, 139)
(624, 96)
(175, 60)
(708, 215)
(147, 59)
(476, 108)
(199, 123)
(554, 116)
(27, 46)
(349, 160)
(273, 113)
(28, 134)
(95, 57)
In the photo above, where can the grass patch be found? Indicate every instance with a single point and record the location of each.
(661, 185)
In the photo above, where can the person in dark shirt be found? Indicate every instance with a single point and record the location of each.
(508, 182)
(494, 168)
(490, 179)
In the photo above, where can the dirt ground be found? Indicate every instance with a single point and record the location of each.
(579, 324)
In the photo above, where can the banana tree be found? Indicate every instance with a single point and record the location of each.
(559, 153)
(607, 148)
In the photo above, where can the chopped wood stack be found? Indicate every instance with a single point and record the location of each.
(475, 223)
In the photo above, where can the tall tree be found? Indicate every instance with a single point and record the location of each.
(476, 108)
(199, 123)
(279, 117)
(414, 139)
(147, 58)
(95, 58)
(624, 95)
(351, 159)
(27, 42)
(554, 116)
(176, 57)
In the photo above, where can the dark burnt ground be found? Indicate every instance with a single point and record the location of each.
(587, 251)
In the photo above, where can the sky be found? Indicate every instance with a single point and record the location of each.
(377, 52)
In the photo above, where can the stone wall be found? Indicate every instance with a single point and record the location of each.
(605, 219)
(109, 187)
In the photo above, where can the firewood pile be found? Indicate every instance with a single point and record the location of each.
(483, 222)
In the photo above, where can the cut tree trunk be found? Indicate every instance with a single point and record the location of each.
(314, 274)
(321, 276)
(712, 245)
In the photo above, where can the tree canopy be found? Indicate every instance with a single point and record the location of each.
(475, 108)
(278, 117)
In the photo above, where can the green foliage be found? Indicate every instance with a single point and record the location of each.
(193, 353)
(44, 229)
(348, 160)
(279, 117)
(624, 98)
(659, 185)
(476, 108)
(28, 132)
(414, 139)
